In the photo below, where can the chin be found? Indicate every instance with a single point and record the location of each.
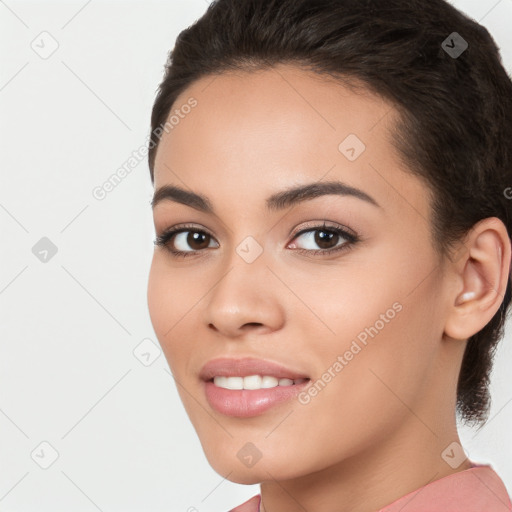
(247, 478)
(234, 470)
(266, 468)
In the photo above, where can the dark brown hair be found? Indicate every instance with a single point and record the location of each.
(455, 106)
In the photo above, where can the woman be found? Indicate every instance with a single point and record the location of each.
(332, 262)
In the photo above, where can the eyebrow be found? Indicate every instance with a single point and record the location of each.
(277, 201)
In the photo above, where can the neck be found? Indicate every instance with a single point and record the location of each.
(370, 480)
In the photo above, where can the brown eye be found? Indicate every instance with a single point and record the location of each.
(184, 241)
(197, 240)
(323, 239)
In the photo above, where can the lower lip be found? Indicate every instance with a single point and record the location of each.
(244, 403)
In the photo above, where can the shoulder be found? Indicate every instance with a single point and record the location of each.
(472, 490)
(252, 505)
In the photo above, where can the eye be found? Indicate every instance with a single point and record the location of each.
(181, 237)
(329, 239)
(187, 240)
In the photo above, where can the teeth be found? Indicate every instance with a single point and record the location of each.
(229, 382)
(253, 382)
(269, 382)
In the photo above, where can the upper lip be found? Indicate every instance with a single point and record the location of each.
(242, 367)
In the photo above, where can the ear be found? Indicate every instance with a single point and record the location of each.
(481, 276)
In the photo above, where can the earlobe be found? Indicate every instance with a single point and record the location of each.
(482, 276)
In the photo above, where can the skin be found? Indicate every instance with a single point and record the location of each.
(377, 430)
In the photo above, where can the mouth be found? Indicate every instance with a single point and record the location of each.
(249, 367)
(254, 382)
(249, 387)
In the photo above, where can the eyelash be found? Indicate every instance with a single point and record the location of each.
(351, 239)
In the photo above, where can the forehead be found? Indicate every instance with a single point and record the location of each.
(261, 131)
(274, 108)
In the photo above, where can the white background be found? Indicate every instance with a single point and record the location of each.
(68, 327)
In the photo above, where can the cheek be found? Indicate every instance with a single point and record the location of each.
(167, 305)
(156, 297)
(370, 394)
(380, 325)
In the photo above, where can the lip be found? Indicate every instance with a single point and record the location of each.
(245, 403)
(242, 367)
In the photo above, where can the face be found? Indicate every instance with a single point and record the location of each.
(342, 287)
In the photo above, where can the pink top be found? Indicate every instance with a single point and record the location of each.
(477, 489)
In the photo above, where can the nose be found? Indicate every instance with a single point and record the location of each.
(246, 297)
